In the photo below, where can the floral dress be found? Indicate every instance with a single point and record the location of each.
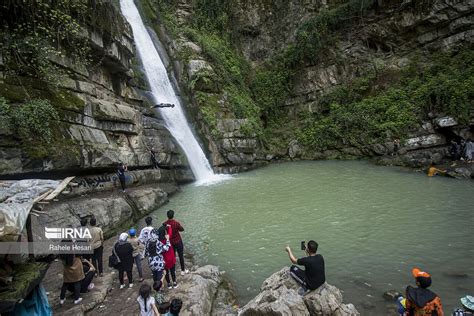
(155, 257)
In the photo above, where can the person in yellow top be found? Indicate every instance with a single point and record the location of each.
(97, 243)
(432, 171)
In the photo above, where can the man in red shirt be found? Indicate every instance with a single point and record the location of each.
(176, 240)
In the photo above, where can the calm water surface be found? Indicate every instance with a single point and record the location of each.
(373, 224)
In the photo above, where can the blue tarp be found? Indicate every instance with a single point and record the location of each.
(35, 304)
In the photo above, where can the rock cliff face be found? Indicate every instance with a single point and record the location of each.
(103, 119)
(386, 38)
(230, 144)
(279, 296)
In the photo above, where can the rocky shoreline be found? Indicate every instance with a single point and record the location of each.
(204, 291)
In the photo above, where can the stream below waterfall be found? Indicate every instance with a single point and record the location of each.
(372, 223)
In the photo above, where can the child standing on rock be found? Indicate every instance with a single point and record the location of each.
(146, 301)
(169, 257)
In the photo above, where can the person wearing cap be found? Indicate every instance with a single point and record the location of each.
(138, 249)
(468, 307)
(420, 301)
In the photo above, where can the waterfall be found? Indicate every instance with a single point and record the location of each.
(163, 92)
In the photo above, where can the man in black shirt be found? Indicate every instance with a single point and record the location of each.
(313, 275)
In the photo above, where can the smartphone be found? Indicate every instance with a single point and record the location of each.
(303, 246)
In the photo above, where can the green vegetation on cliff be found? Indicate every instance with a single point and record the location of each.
(357, 113)
(31, 121)
(233, 72)
(374, 107)
(35, 34)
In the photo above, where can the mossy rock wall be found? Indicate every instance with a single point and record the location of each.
(103, 120)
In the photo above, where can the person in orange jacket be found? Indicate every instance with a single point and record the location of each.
(419, 300)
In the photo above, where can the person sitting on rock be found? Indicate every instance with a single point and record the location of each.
(164, 308)
(313, 276)
(175, 307)
(420, 300)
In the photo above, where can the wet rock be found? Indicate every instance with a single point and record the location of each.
(294, 149)
(391, 295)
(379, 149)
(368, 305)
(279, 296)
(457, 275)
(192, 46)
(269, 157)
(431, 140)
(461, 173)
(446, 121)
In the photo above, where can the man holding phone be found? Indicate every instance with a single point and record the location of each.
(313, 276)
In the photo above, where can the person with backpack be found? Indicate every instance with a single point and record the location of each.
(176, 240)
(419, 300)
(124, 251)
(169, 258)
(154, 251)
(146, 301)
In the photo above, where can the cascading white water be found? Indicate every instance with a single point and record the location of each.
(163, 92)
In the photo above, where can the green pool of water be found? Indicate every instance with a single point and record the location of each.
(373, 224)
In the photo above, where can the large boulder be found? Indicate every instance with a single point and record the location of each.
(279, 296)
(202, 288)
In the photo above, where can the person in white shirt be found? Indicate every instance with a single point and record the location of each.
(146, 301)
(145, 232)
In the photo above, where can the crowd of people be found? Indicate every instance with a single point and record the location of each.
(418, 301)
(158, 245)
(462, 150)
